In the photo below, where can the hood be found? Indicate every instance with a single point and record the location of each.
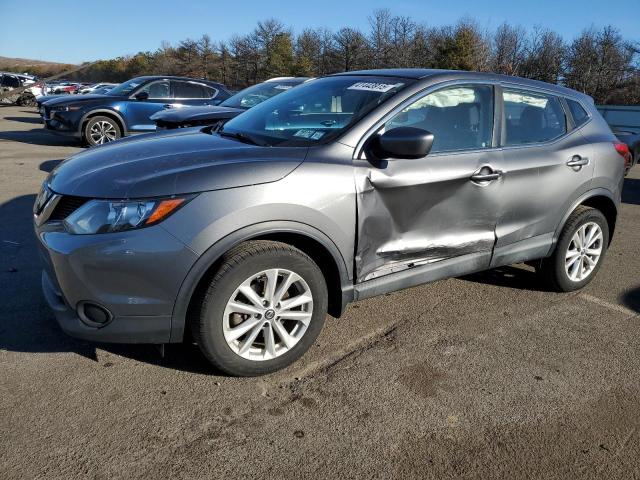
(177, 162)
(186, 114)
(62, 99)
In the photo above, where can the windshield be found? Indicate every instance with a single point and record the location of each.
(314, 112)
(126, 88)
(252, 96)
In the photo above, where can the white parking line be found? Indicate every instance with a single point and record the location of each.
(609, 305)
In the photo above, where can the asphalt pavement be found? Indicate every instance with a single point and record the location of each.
(485, 376)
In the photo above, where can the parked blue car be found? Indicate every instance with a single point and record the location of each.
(98, 119)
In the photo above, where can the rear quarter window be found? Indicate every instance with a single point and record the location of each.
(578, 113)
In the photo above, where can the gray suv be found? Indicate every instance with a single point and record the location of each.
(346, 187)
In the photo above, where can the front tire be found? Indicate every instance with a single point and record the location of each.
(100, 129)
(579, 253)
(263, 309)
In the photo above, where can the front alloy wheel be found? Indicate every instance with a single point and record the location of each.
(268, 314)
(262, 310)
(100, 130)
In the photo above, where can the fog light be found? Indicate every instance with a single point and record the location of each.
(94, 315)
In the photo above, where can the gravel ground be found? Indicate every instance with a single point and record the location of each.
(486, 376)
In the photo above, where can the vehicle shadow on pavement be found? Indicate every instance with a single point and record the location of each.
(631, 191)
(37, 121)
(28, 325)
(49, 165)
(38, 136)
(520, 277)
(631, 299)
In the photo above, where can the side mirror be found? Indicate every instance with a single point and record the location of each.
(405, 142)
(142, 96)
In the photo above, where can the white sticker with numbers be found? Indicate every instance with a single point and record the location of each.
(372, 87)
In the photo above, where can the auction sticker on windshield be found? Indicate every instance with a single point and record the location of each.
(373, 87)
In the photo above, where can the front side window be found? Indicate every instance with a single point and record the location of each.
(315, 112)
(460, 117)
(157, 90)
(532, 117)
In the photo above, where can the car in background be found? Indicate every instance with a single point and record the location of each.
(94, 87)
(231, 107)
(10, 81)
(347, 187)
(624, 121)
(127, 108)
(40, 100)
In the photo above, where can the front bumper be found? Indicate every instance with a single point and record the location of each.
(134, 275)
(62, 123)
(134, 329)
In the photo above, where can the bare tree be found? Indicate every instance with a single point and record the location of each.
(351, 47)
(509, 50)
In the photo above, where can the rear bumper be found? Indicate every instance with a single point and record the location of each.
(139, 329)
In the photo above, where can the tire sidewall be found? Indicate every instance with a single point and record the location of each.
(212, 339)
(588, 216)
(93, 120)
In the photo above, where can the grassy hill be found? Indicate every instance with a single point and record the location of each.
(36, 67)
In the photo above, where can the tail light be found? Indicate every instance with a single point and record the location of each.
(623, 150)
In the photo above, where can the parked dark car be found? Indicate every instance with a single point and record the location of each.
(231, 107)
(343, 188)
(127, 108)
(625, 124)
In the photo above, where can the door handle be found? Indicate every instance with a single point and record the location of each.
(167, 105)
(578, 161)
(486, 175)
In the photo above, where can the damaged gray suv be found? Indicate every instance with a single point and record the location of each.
(343, 188)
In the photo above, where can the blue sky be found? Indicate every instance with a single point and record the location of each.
(75, 30)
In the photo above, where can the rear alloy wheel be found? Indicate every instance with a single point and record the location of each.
(100, 130)
(262, 310)
(579, 252)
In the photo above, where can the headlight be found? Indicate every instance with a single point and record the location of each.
(107, 216)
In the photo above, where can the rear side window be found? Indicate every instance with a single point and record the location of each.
(192, 90)
(460, 118)
(579, 114)
(532, 117)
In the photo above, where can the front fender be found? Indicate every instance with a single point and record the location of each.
(215, 252)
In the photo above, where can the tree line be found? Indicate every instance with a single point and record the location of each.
(599, 62)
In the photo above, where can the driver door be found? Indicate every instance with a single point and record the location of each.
(139, 111)
(417, 212)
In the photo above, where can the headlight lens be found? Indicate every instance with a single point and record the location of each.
(107, 216)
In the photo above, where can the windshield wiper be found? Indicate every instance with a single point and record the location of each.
(244, 138)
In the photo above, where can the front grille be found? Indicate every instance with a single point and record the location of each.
(66, 206)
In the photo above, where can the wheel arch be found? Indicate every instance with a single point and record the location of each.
(304, 237)
(600, 199)
(104, 112)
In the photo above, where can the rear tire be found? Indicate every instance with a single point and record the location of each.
(245, 326)
(100, 129)
(579, 253)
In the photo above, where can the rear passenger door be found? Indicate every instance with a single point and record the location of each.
(548, 166)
